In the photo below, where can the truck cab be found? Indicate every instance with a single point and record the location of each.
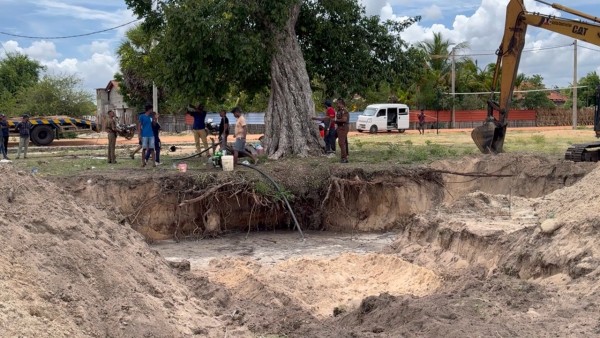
(384, 117)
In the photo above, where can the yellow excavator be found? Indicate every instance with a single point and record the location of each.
(489, 137)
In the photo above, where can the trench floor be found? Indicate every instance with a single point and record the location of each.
(273, 247)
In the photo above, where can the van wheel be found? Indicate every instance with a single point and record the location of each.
(401, 131)
(373, 129)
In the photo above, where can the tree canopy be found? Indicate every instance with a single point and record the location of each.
(23, 89)
(208, 46)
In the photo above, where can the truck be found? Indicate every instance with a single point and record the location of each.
(489, 137)
(47, 128)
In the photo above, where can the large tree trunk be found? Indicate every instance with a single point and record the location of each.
(289, 129)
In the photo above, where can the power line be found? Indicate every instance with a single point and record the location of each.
(69, 36)
(487, 54)
(520, 91)
(594, 49)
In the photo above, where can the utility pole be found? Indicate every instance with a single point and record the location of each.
(154, 89)
(453, 121)
(575, 84)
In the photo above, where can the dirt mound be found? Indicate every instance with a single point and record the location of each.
(319, 286)
(67, 271)
(515, 174)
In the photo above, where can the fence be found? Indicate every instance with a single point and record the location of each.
(463, 119)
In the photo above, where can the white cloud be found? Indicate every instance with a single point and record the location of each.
(94, 71)
(483, 31)
(432, 12)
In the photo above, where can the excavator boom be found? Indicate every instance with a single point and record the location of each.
(489, 137)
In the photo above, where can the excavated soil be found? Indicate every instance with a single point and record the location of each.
(482, 246)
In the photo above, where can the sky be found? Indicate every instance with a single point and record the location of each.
(480, 23)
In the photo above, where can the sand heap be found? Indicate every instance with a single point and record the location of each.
(68, 271)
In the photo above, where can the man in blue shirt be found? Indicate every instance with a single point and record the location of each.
(157, 145)
(147, 135)
(199, 127)
(147, 108)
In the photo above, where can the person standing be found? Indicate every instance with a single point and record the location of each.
(147, 136)
(199, 127)
(422, 122)
(24, 128)
(157, 144)
(241, 130)
(342, 119)
(223, 129)
(5, 133)
(331, 134)
(111, 129)
(147, 108)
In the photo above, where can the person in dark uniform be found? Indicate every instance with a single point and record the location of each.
(421, 122)
(342, 119)
(111, 129)
(223, 129)
(5, 133)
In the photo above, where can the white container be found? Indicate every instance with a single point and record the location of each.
(227, 162)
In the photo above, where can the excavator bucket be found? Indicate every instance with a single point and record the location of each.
(489, 137)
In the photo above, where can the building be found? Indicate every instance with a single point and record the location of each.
(558, 98)
(110, 98)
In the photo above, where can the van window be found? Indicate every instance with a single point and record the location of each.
(381, 113)
(369, 112)
(393, 111)
(403, 111)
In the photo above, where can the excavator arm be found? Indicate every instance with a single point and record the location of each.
(489, 137)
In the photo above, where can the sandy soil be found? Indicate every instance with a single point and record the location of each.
(492, 257)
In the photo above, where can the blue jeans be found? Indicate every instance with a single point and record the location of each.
(330, 137)
(156, 150)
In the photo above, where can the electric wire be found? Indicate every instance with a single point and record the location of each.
(69, 36)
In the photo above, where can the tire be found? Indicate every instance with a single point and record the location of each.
(373, 129)
(42, 135)
(401, 131)
(129, 134)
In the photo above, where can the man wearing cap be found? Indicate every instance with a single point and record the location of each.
(23, 127)
(4, 132)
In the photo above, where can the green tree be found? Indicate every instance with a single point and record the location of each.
(18, 71)
(586, 95)
(55, 95)
(207, 47)
(438, 65)
(535, 99)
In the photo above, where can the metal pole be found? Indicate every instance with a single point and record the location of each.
(453, 121)
(154, 89)
(575, 84)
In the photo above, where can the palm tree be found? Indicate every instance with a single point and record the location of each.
(439, 55)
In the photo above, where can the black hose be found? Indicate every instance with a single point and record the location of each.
(287, 203)
(198, 154)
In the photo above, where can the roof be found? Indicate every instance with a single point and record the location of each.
(557, 97)
(112, 84)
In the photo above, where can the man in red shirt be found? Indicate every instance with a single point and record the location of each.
(329, 126)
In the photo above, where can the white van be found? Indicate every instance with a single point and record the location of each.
(384, 117)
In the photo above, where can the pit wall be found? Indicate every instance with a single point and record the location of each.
(351, 200)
